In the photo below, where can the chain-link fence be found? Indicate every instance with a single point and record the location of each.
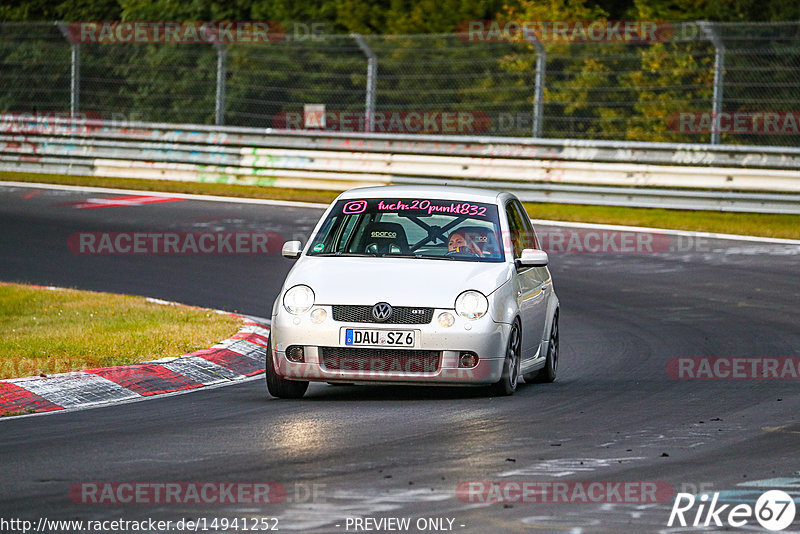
(729, 83)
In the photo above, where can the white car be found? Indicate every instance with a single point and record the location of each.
(416, 285)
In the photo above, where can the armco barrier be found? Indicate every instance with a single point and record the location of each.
(734, 178)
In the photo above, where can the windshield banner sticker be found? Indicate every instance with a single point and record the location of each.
(461, 208)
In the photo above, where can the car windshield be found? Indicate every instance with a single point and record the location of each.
(411, 227)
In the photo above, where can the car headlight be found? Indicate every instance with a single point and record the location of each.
(298, 299)
(471, 305)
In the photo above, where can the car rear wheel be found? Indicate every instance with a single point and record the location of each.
(548, 372)
(277, 386)
(507, 384)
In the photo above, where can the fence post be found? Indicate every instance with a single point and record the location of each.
(538, 90)
(75, 72)
(372, 80)
(219, 107)
(719, 78)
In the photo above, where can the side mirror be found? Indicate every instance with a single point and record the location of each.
(292, 250)
(532, 257)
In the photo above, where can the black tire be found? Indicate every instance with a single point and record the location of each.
(548, 372)
(278, 387)
(507, 384)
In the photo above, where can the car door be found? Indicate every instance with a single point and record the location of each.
(532, 283)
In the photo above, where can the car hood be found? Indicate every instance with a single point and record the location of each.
(398, 281)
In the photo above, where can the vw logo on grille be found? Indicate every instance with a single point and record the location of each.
(381, 311)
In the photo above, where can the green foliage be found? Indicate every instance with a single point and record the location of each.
(29, 10)
(716, 10)
(391, 16)
(66, 10)
(34, 70)
(608, 90)
(630, 91)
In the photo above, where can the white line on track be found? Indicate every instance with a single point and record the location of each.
(187, 196)
(708, 235)
(288, 203)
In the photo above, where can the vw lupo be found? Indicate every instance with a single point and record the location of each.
(416, 285)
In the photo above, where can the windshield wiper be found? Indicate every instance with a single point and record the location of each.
(425, 256)
(448, 257)
(348, 254)
(384, 255)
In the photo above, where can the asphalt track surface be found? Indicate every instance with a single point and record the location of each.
(614, 414)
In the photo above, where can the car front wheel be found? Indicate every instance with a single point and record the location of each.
(507, 384)
(277, 386)
(548, 372)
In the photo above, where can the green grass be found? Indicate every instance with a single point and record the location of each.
(55, 331)
(757, 224)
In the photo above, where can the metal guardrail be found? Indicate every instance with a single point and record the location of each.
(711, 177)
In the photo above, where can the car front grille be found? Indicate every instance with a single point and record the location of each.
(380, 360)
(400, 315)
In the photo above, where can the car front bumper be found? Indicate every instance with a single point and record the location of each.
(434, 359)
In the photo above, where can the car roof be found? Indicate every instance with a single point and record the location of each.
(427, 191)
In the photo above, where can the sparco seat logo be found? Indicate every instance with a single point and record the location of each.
(390, 235)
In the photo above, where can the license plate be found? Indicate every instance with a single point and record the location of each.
(387, 338)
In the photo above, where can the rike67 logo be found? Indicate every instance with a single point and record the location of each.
(774, 510)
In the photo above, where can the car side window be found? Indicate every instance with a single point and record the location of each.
(516, 229)
(529, 239)
(522, 234)
(347, 231)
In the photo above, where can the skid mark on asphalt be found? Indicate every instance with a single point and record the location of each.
(603, 518)
(754, 488)
(791, 428)
(572, 525)
(763, 250)
(564, 467)
(697, 435)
